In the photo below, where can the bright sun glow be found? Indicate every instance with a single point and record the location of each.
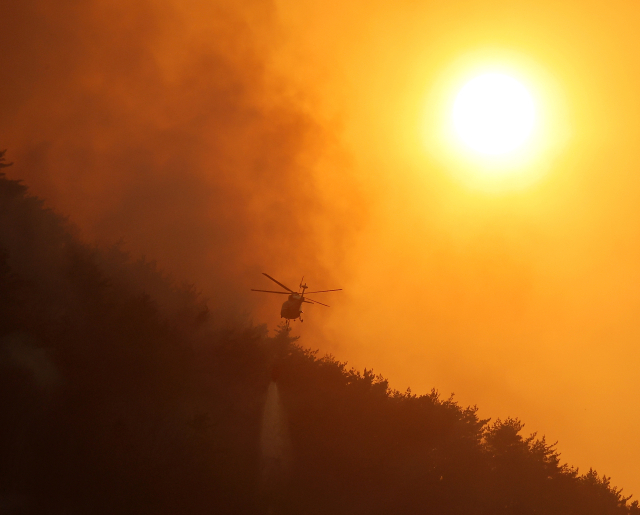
(493, 114)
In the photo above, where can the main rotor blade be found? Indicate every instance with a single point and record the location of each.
(269, 291)
(279, 283)
(323, 291)
(316, 302)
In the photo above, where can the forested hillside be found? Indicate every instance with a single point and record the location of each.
(120, 393)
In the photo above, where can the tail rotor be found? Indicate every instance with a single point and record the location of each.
(302, 286)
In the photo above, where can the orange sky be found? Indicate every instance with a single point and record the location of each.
(229, 138)
(523, 302)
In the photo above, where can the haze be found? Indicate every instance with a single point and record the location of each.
(225, 139)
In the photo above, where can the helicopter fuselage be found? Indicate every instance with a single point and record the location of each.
(291, 307)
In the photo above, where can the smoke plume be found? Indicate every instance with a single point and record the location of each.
(161, 124)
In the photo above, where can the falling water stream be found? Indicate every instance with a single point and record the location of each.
(274, 445)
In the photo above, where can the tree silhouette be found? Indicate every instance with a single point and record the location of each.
(2, 160)
(119, 396)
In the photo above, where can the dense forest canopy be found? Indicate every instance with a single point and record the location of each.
(121, 393)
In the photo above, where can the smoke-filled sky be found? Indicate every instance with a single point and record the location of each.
(228, 138)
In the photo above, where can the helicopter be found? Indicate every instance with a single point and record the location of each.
(291, 308)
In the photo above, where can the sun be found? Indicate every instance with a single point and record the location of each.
(494, 121)
(493, 114)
